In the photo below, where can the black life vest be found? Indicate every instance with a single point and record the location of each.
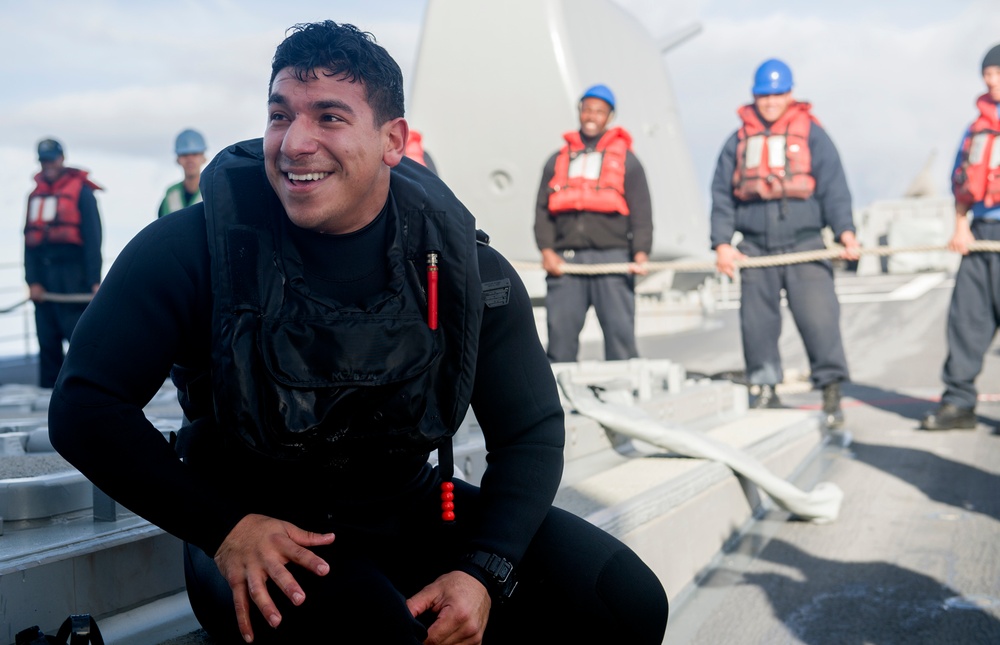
(297, 376)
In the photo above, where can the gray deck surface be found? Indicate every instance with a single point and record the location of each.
(915, 555)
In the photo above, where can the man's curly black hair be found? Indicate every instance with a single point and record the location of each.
(343, 50)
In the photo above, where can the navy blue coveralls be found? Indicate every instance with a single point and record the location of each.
(786, 226)
(63, 268)
(974, 313)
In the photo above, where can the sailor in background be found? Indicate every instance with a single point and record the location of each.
(62, 252)
(190, 150)
(778, 182)
(415, 150)
(974, 315)
(593, 207)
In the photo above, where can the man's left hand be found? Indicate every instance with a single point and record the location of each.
(462, 605)
(638, 264)
(852, 250)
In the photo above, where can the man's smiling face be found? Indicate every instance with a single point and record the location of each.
(324, 155)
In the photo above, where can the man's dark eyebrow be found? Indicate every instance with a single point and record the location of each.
(333, 105)
(278, 99)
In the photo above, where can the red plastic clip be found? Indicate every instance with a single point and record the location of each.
(432, 290)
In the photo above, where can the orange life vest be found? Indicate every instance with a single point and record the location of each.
(415, 148)
(774, 162)
(54, 209)
(591, 181)
(977, 176)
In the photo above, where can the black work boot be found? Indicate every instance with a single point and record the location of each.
(833, 415)
(768, 398)
(950, 417)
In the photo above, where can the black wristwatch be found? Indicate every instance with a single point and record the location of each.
(499, 573)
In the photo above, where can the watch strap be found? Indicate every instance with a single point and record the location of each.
(496, 572)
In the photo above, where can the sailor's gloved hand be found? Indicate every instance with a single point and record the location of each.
(462, 605)
(257, 549)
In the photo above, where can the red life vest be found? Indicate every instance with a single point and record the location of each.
(591, 181)
(54, 209)
(977, 176)
(774, 162)
(415, 148)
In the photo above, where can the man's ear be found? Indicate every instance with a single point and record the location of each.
(396, 133)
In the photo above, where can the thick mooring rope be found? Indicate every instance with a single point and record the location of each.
(52, 297)
(831, 253)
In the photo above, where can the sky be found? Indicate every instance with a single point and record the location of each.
(893, 82)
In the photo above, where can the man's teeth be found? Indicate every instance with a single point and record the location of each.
(311, 176)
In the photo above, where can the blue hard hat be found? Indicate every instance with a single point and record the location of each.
(602, 92)
(772, 77)
(189, 142)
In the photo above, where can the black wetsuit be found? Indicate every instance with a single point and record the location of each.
(154, 311)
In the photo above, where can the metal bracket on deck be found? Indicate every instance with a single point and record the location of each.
(105, 508)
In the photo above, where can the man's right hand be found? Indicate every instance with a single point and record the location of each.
(962, 236)
(461, 605)
(36, 292)
(256, 550)
(552, 262)
(726, 256)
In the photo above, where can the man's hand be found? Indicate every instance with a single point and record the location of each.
(36, 292)
(638, 264)
(726, 256)
(257, 549)
(962, 236)
(462, 605)
(552, 262)
(852, 250)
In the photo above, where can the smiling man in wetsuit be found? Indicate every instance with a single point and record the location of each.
(322, 313)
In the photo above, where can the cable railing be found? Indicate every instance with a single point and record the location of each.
(17, 317)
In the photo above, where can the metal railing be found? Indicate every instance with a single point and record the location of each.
(17, 317)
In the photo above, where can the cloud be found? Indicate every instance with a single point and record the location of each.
(890, 94)
(142, 121)
(127, 77)
(115, 81)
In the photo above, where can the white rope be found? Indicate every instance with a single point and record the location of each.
(832, 253)
(67, 297)
(52, 297)
(820, 505)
